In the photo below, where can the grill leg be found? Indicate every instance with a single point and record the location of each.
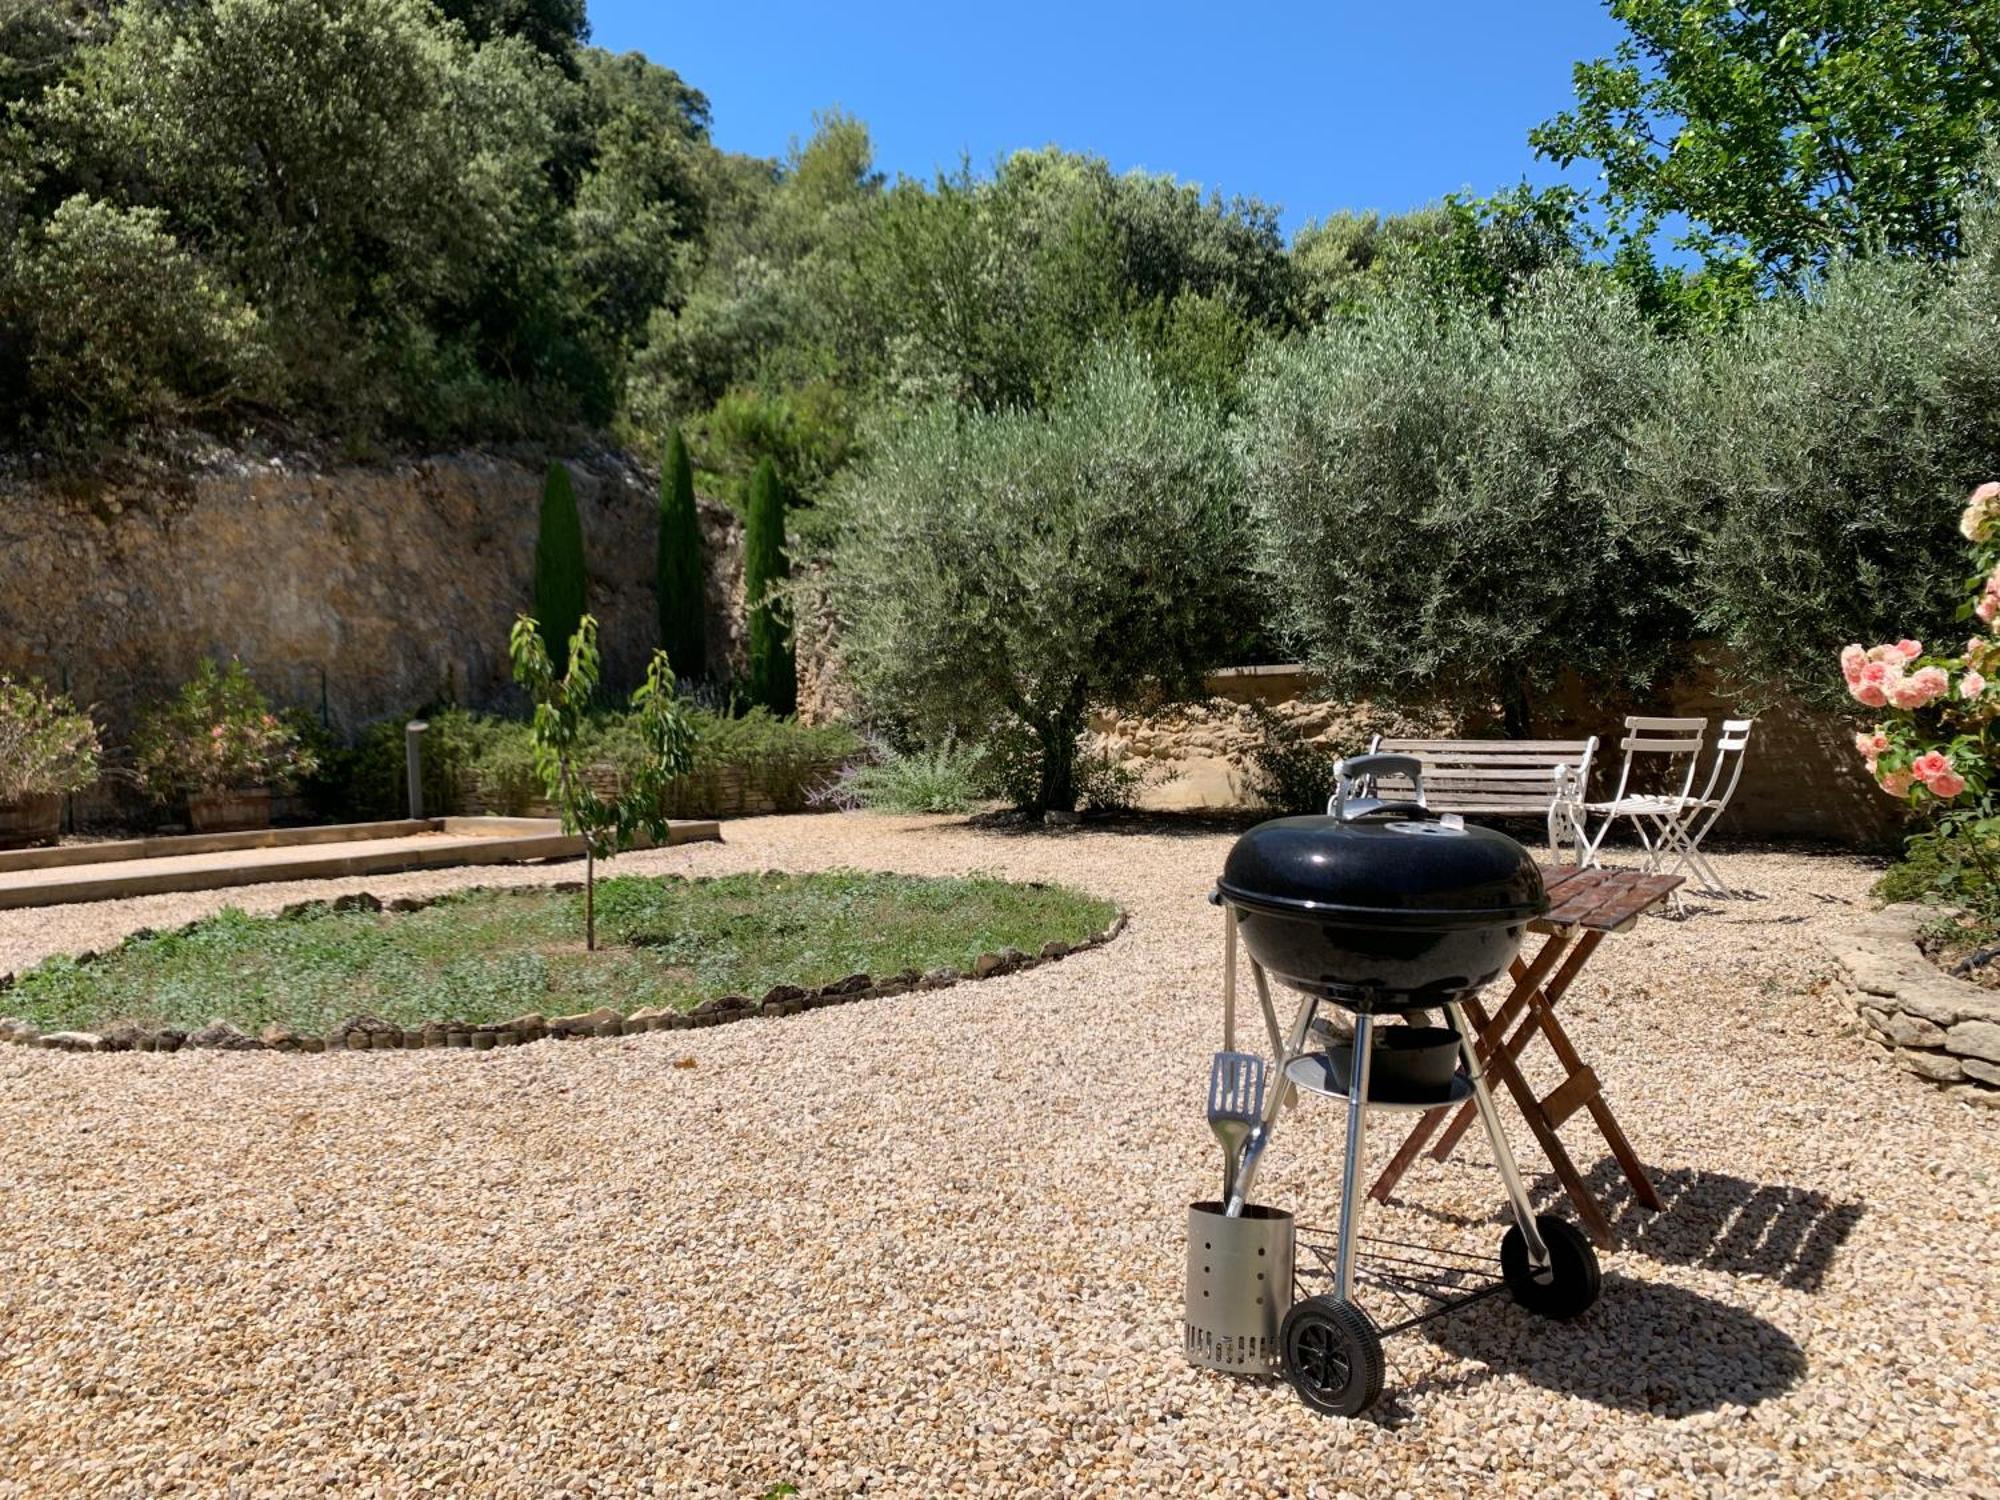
(1503, 1154)
(1350, 1171)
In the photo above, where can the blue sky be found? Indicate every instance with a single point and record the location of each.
(1313, 107)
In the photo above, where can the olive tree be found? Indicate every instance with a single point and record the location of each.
(1444, 501)
(1827, 455)
(1003, 572)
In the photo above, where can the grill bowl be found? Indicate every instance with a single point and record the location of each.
(1394, 909)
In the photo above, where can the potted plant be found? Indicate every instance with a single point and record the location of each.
(48, 749)
(218, 745)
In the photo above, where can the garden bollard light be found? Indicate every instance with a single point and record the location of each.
(413, 736)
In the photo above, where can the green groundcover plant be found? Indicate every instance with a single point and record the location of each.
(489, 955)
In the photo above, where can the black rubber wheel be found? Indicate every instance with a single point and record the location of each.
(1333, 1356)
(1574, 1279)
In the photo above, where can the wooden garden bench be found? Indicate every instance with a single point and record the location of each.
(1480, 779)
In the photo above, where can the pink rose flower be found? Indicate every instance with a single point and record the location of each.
(1931, 763)
(1971, 685)
(1910, 650)
(1852, 658)
(1897, 783)
(1986, 607)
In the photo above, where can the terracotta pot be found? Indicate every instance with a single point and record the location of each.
(226, 812)
(33, 820)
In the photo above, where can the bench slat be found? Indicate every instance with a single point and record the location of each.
(1487, 746)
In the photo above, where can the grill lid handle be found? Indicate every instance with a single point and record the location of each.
(1355, 776)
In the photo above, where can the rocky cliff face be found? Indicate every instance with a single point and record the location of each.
(373, 589)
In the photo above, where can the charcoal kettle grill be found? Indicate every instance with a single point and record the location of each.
(1385, 909)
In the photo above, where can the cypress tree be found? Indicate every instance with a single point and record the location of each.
(559, 601)
(773, 678)
(677, 574)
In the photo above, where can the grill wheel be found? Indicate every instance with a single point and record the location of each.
(1576, 1281)
(1333, 1356)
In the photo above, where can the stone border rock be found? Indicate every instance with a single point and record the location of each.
(1942, 1029)
(365, 1033)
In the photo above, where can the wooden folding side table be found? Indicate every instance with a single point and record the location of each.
(1585, 907)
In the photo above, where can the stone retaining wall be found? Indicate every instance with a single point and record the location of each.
(1940, 1028)
(1801, 778)
(364, 588)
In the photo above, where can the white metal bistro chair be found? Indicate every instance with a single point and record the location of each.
(1702, 813)
(1673, 744)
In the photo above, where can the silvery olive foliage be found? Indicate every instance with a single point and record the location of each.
(1010, 570)
(1444, 502)
(1821, 455)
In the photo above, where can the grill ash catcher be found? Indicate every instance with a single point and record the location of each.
(1386, 910)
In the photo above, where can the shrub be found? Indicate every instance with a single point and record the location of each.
(773, 674)
(559, 573)
(1444, 501)
(941, 780)
(677, 577)
(1009, 570)
(1930, 747)
(48, 748)
(1822, 453)
(217, 734)
(1292, 773)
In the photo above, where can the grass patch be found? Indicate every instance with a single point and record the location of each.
(490, 955)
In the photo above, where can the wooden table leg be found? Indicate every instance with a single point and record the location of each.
(1526, 991)
(1565, 1169)
(1607, 1123)
(1487, 1038)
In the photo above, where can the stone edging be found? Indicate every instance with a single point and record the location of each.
(365, 1033)
(1940, 1028)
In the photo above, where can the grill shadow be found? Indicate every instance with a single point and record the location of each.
(1646, 1347)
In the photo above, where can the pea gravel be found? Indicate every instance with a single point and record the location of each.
(932, 1245)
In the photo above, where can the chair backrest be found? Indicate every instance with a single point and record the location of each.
(1729, 747)
(1676, 742)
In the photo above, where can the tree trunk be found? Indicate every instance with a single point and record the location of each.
(1514, 714)
(1057, 739)
(589, 899)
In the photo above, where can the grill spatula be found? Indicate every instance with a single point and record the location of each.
(1235, 1105)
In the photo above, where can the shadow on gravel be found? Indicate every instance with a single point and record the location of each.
(1713, 1220)
(1723, 1223)
(1646, 1347)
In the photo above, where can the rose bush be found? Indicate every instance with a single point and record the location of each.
(1933, 748)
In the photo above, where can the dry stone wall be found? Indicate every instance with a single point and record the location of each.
(1942, 1029)
(1801, 780)
(371, 588)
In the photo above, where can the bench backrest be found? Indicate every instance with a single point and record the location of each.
(1498, 778)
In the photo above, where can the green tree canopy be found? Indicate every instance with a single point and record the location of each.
(1445, 501)
(678, 581)
(1006, 571)
(1788, 131)
(773, 671)
(559, 567)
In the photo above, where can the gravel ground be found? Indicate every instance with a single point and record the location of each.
(932, 1245)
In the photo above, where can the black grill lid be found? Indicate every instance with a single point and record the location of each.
(1396, 864)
